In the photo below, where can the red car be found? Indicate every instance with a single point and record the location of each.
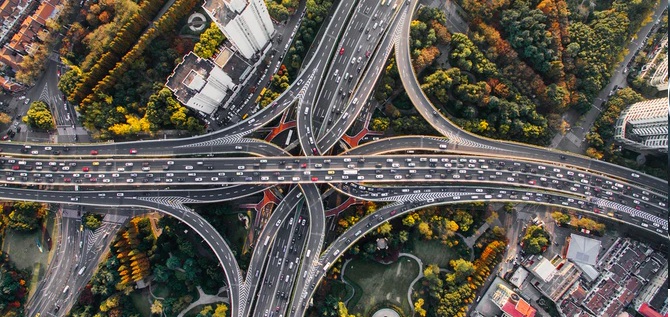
(314, 178)
(342, 51)
(133, 151)
(303, 165)
(67, 180)
(367, 53)
(15, 167)
(392, 213)
(94, 152)
(85, 169)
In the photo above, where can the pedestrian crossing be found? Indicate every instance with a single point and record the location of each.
(420, 197)
(44, 95)
(171, 201)
(604, 203)
(228, 139)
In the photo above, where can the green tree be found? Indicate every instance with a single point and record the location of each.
(535, 239)
(210, 39)
(26, 216)
(92, 221)
(462, 268)
(39, 116)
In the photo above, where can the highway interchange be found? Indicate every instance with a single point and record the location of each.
(407, 172)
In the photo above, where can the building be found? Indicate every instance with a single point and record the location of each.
(553, 278)
(246, 23)
(583, 251)
(511, 304)
(200, 84)
(643, 126)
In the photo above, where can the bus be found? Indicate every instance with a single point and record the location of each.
(261, 95)
(350, 172)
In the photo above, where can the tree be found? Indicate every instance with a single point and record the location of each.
(5, 118)
(535, 239)
(560, 218)
(403, 236)
(384, 229)
(462, 268)
(418, 307)
(157, 307)
(492, 218)
(26, 216)
(92, 221)
(210, 40)
(220, 311)
(39, 116)
(508, 207)
(380, 124)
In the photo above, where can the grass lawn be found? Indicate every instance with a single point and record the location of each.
(433, 252)
(141, 302)
(380, 283)
(235, 232)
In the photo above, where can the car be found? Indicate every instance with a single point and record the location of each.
(94, 152)
(635, 175)
(34, 152)
(96, 163)
(314, 178)
(562, 157)
(342, 51)
(133, 151)
(85, 169)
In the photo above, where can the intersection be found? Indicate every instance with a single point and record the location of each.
(409, 172)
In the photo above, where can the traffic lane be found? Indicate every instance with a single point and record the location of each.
(331, 136)
(272, 168)
(268, 235)
(307, 123)
(589, 204)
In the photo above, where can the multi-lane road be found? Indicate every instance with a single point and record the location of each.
(331, 91)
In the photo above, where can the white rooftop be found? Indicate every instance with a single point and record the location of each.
(583, 249)
(545, 270)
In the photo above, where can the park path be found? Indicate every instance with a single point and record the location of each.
(205, 299)
(418, 277)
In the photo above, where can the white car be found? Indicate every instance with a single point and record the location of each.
(397, 177)
(635, 175)
(106, 180)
